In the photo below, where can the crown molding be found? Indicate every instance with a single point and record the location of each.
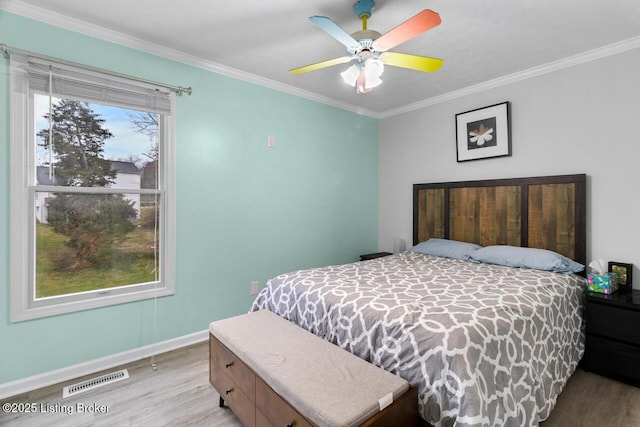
(581, 58)
(43, 15)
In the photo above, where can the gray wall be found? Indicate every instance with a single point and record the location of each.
(580, 119)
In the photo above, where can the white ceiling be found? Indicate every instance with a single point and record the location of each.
(258, 40)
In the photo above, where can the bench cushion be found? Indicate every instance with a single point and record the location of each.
(328, 385)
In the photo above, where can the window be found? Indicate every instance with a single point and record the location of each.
(92, 210)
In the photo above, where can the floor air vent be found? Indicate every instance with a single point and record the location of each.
(93, 383)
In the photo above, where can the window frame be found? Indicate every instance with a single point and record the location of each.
(23, 189)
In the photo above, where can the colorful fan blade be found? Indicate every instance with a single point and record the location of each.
(423, 21)
(413, 62)
(322, 64)
(334, 31)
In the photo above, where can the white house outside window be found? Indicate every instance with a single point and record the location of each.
(92, 208)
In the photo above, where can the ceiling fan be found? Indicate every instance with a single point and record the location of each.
(370, 49)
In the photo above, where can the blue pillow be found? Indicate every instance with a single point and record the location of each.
(446, 248)
(539, 259)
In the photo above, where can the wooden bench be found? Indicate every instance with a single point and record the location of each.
(271, 372)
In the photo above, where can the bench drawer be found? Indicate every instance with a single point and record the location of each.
(224, 360)
(242, 406)
(262, 421)
(275, 409)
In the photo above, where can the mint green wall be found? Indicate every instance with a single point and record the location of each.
(245, 212)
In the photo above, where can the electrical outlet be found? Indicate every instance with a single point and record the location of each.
(255, 288)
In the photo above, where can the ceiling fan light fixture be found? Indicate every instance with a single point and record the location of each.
(350, 75)
(373, 69)
(364, 76)
(361, 84)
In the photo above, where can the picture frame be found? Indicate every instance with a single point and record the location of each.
(625, 272)
(484, 133)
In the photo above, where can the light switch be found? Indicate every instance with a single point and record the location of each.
(255, 288)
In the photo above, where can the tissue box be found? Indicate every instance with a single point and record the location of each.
(603, 283)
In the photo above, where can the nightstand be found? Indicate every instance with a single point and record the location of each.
(366, 257)
(613, 336)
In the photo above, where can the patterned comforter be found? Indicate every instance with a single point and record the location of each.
(484, 344)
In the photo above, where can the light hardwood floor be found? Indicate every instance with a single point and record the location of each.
(179, 394)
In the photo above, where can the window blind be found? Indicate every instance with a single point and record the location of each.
(87, 85)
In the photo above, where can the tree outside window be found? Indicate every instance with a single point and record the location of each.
(87, 241)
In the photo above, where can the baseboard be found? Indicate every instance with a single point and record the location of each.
(60, 375)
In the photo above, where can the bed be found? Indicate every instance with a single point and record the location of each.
(485, 344)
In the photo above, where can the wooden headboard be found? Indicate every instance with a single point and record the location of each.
(547, 212)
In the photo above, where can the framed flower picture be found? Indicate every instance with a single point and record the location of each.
(483, 133)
